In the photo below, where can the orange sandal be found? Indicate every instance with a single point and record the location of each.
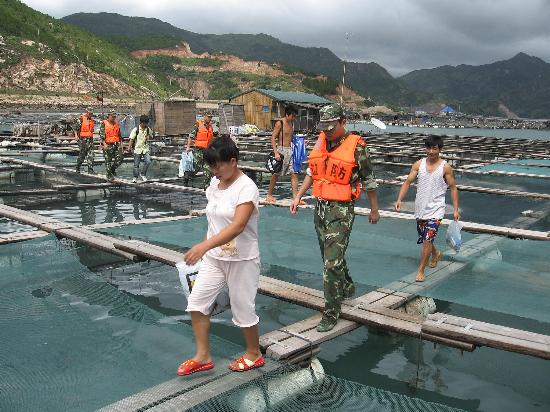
(242, 364)
(191, 366)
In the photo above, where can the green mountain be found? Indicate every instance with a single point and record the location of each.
(28, 34)
(522, 84)
(371, 79)
(138, 33)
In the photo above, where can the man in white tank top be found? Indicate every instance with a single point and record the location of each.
(434, 177)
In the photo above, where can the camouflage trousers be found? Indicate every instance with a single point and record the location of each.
(86, 152)
(333, 222)
(113, 158)
(200, 166)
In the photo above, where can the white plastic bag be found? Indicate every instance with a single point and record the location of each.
(453, 236)
(188, 276)
(186, 163)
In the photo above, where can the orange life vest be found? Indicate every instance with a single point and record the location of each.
(86, 127)
(331, 171)
(112, 132)
(204, 135)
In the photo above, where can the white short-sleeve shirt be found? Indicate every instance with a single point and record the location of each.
(220, 211)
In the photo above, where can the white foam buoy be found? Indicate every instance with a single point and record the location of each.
(419, 306)
(278, 389)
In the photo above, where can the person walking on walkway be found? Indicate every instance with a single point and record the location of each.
(281, 142)
(435, 176)
(339, 169)
(202, 133)
(139, 145)
(231, 257)
(109, 133)
(85, 137)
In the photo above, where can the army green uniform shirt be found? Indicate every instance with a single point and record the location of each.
(333, 223)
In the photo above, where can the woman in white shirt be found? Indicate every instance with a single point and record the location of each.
(230, 255)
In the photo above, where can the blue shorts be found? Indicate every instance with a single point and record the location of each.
(427, 229)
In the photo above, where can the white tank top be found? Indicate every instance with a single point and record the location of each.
(430, 192)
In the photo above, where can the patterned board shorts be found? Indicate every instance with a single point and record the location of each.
(287, 160)
(427, 229)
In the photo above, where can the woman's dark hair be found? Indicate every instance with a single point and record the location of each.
(222, 149)
(434, 140)
(144, 119)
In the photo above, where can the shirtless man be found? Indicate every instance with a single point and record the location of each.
(281, 141)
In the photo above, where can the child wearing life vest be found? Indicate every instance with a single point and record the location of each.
(339, 169)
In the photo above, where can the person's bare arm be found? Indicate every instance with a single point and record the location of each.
(306, 184)
(274, 137)
(450, 180)
(407, 183)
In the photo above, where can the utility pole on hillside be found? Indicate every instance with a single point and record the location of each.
(348, 35)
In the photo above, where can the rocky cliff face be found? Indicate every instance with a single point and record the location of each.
(47, 75)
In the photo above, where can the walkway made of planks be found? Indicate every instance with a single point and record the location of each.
(366, 310)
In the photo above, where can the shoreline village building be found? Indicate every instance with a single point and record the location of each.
(263, 106)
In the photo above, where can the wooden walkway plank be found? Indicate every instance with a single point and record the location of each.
(21, 236)
(490, 328)
(302, 336)
(484, 337)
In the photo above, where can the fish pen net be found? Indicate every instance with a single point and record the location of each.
(73, 340)
(291, 389)
(500, 274)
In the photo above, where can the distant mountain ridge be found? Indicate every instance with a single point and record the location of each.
(40, 53)
(521, 83)
(136, 33)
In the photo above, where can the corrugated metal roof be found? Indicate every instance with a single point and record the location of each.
(293, 97)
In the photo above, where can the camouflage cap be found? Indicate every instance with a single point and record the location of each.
(329, 115)
(111, 112)
(331, 112)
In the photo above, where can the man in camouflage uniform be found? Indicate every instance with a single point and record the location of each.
(85, 144)
(198, 153)
(112, 151)
(334, 219)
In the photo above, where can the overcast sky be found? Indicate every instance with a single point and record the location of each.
(401, 35)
